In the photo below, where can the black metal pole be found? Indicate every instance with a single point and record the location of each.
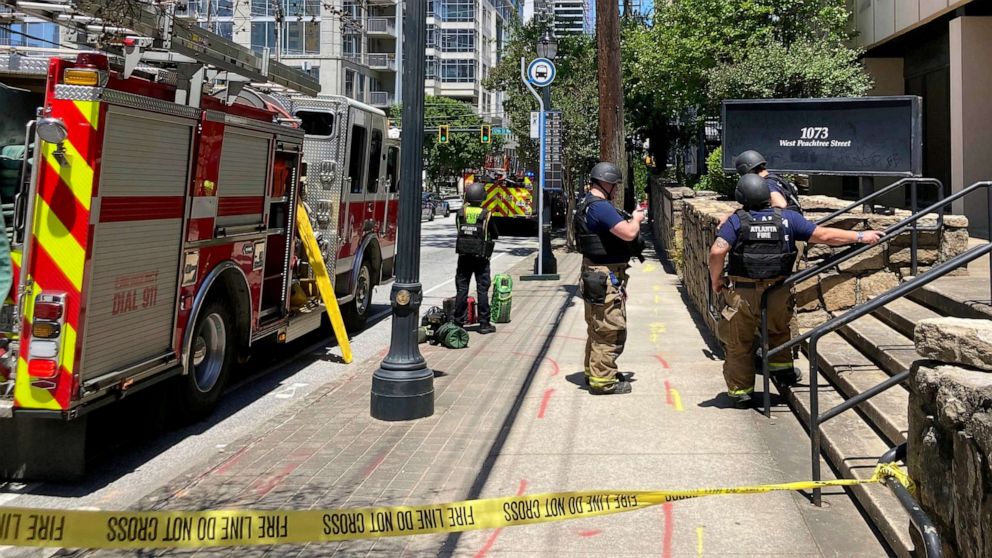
(403, 386)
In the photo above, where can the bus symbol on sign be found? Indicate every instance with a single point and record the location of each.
(541, 72)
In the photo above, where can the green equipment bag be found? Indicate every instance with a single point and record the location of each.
(452, 336)
(502, 298)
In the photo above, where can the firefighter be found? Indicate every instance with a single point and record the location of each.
(784, 193)
(474, 244)
(761, 242)
(607, 239)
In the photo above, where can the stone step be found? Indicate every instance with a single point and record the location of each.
(902, 314)
(960, 297)
(853, 449)
(892, 351)
(852, 373)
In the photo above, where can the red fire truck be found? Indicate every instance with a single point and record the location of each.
(154, 239)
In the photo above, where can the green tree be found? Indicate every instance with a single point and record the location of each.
(444, 162)
(573, 92)
(695, 53)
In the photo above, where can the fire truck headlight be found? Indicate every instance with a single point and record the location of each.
(52, 130)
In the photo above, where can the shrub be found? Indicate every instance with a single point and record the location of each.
(715, 179)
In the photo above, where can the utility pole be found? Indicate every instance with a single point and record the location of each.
(403, 386)
(611, 132)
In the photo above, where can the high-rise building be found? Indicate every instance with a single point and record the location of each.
(351, 46)
(465, 39)
(535, 8)
(569, 17)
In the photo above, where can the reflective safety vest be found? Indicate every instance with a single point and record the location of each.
(761, 251)
(473, 232)
(604, 244)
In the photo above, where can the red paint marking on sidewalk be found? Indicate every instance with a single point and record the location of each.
(668, 393)
(589, 533)
(371, 467)
(669, 528)
(555, 368)
(544, 402)
(231, 461)
(265, 486)
(491, 541)
(664, 363)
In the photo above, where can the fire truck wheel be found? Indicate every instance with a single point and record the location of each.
(210, 359)
(356, 312)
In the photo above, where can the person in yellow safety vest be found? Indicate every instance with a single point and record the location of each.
(474, 245)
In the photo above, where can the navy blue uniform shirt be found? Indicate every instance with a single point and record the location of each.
(601, 216)
(796, 226)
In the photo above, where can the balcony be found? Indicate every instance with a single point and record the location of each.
(355, 58)
(380, 26)
(381, 99)
(381, 61)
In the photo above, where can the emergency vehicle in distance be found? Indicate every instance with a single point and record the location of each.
(153, 238)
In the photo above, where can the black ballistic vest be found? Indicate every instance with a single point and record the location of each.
(791, 192)
(761, 251)
(473, 233)
(603, 247)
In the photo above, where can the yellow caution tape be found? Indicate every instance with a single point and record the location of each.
(183, 529)
(323, 280)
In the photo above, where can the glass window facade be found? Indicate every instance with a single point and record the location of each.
(30, 35)
(430, 68)
(457, 10)
(431, 36)
(298, 37)
(457, 71)
(457, 40)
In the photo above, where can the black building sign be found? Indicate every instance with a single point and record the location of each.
(867, 136)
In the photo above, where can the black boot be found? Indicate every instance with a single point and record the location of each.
(487, 328)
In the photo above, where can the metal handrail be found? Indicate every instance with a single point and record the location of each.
(913, 183)
(814, 335)
(837, 259)
(917, 517)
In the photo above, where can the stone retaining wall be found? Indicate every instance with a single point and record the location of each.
(856, 281)
(668, 217)
(950, 432)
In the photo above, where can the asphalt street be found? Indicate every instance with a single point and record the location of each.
(139, 447)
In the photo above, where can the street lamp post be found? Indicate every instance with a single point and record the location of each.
(403, 386)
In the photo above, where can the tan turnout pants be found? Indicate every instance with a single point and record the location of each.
(606, 326)
(739, 325)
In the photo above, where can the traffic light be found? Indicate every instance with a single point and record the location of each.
(442, 133)
(485, 134)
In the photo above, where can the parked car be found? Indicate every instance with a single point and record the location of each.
(454, 202)
(440, 206)
(427, 208)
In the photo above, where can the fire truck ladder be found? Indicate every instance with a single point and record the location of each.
(151, 31)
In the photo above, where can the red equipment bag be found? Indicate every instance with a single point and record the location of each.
(449, 310)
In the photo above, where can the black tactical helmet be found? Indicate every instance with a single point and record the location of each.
(475, 193)
(748, 161)
(607, 173)
(752, 192)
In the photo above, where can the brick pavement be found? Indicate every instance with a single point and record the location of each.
(512, 417)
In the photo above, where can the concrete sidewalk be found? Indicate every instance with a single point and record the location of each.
(513, 417)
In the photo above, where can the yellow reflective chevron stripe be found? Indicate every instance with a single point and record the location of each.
(77, 174)
(90, 111)
(56, 239)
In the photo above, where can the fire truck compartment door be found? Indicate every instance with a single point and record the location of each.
(243, 176)
(133, 277)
